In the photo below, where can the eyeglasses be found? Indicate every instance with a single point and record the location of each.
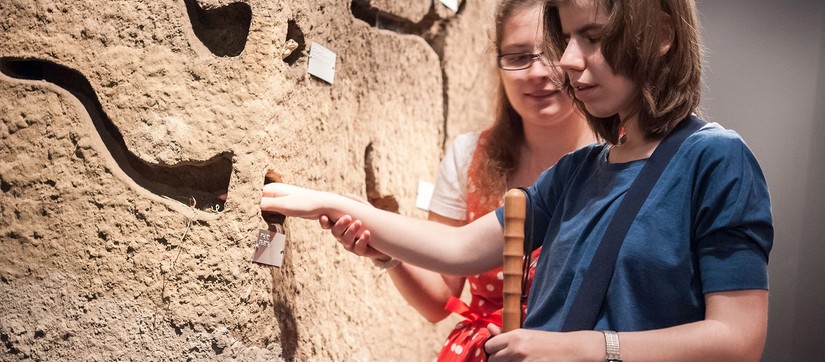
(519, 61)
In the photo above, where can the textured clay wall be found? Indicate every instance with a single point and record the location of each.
(123, 124)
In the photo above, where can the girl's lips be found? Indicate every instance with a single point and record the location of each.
(583, 90)
(543, 93)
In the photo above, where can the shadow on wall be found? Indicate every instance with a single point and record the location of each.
(206, 182)
(222, 30)
(294, 33)
(388, 202)
(289, 329)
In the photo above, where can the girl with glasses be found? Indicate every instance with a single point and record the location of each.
(535, 125)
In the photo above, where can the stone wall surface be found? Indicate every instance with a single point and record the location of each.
(135, 136)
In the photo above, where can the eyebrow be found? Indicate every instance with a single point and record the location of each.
(518, 47)
(585, 28)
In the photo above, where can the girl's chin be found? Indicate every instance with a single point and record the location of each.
(549, 115)
(598, 112)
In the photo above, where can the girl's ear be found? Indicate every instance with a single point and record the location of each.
(667, 33)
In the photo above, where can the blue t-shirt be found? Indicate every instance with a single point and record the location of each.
(705, 227)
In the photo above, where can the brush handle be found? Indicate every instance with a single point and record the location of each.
(515, 205)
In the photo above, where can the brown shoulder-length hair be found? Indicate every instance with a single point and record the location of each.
(506, 135)
(669, 85)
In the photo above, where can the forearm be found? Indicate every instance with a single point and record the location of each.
(734, 330)
(699, 341)
(472, 248)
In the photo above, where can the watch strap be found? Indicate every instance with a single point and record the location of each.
(611, 347)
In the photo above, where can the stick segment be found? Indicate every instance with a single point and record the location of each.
(515, 204)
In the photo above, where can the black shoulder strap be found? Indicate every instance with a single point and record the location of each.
(590, 297)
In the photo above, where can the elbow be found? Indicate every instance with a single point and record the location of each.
(751, 345)
(430, 313)
(741, 347)
(754, 351)
(436, 316)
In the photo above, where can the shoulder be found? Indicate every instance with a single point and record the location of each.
(460, 152)
(714, 136)
(465, 141)
(714, 142)
(718, 156)
(573, 162)
(450, 191)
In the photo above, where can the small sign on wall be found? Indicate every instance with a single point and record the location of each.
(321, 63)
(424, 194)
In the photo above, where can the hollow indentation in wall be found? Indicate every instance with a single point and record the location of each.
(222, 30)
(5, 186)
(430, 28)
(205, 182)
(362, 10)
(7, 344)
(383, 202)
(294, 33)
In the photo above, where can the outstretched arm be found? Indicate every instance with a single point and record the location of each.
(474, 248)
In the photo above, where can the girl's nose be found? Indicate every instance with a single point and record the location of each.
(539, 67)
(572, 58)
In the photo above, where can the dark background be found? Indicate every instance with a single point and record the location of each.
(765, 78)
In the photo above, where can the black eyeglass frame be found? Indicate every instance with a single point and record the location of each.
(533, 57)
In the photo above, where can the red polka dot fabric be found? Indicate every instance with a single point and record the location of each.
(465, 342)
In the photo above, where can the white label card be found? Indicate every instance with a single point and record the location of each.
(452, 4)
(424, 195)
(321, 63)
(269, 249)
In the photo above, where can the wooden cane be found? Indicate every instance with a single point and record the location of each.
(515, 204)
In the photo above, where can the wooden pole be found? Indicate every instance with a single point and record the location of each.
(515, 205)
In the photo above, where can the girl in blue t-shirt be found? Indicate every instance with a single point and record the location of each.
(690, 281)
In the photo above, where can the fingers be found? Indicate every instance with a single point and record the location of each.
(362, 244)
(346, 231)
(350, 236)
(492, 346)
(325, 222)
(341, 226)
(271, 204)
(494, 329)
(276, 189)
(291, 200)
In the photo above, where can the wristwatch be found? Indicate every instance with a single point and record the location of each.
(611, 347)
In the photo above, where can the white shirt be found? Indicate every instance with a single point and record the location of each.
(450, 192)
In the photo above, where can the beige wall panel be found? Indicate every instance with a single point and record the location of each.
(117, 114)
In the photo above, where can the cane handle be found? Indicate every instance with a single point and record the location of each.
(515, 204)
